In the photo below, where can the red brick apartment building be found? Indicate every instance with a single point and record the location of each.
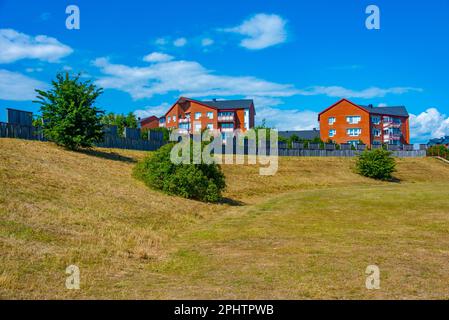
(347, 122)
(225, 115)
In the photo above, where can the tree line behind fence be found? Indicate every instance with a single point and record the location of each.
(19, 125)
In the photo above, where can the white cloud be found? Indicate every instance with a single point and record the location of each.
(285, 118)
(157, 57)
(30, 70)
(207, 42)
(161, 41)
(261, 31)
(18, 87)
(15, 46)
(148, 111)
(188, 78)
(180, 42)
(428, 124)
(191, 79)
(341, 92)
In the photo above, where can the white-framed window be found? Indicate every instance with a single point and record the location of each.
(354, 132)
(168, 119)
(353, 119)
(375, 119)
(197, 115)
(174, 118)
(331, 120)
(210, 126)
(210, 115)
(332, 133)
(376, 132)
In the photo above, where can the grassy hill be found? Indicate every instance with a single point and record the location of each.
(307, 232)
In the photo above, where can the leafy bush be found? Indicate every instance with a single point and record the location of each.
(203, 182)
(69, 116)
(438, 151)
(377, 164)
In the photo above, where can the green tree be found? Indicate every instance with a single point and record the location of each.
(376, 164)
(121, 121)
(70, 117)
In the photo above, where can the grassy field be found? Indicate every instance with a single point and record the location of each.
(310, 231)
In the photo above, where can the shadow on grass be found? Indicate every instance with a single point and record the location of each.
(232, 202)
(394, 180)
(107, 155)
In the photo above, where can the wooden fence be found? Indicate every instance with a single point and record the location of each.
(11, 130)
(155, 141)
(111, 139)
(344, 153)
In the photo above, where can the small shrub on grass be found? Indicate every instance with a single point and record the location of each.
(203, 182)
(376, 164)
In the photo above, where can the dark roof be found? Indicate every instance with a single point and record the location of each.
(439, 141)
(399, 111)
(147, 119)
(230, 104)
(302, 134)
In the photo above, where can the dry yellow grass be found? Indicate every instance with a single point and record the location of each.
(307, 232)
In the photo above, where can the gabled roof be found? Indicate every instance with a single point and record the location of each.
(398, 111)
(338, 102)
(218, 104)
(439, 141)
(148, 119)
(302, 134)
(395, 111)
(230, 104)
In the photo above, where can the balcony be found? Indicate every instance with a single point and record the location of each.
(225, 118)
(388, 137)
(227, 129)
(184, 120)
(391, 124)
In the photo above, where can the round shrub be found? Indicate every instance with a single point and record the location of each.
(203, 182)
(376, 164)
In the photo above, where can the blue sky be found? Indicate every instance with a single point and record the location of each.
(294, 58)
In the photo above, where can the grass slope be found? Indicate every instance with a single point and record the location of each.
(307, 232)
